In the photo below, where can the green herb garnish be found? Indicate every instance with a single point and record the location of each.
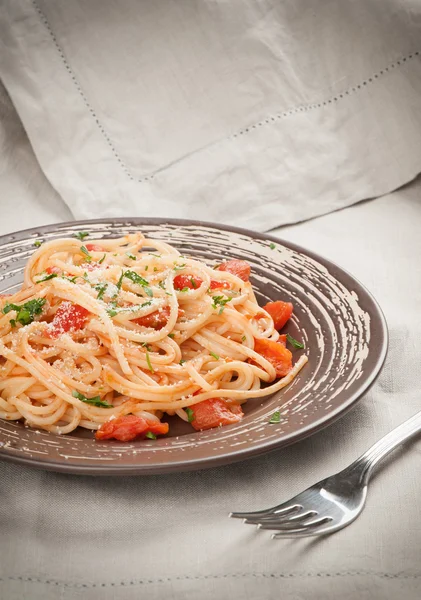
(243, 339)
(138, 280)
(295, 343)
(220, 301)
(185, 289)
(95, 401)
(101, 289)
(275, 418)
(12, 322)
(47, 277)
(148, 360)
(161, 284)
(215, 356)
(150, 435)
(190, 414)
(194, 284)
(81, 235)
(155, 269)
(130, 255)
(102, 259)
(145, 345)
(26, 312)
(171, 335)
(85, 251)
(71, 279)
(182, 361)
(146, 267)
(37, 243)
(272, 246)
(179, 267)
(112, 309)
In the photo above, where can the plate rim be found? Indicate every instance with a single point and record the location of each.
(230, 456)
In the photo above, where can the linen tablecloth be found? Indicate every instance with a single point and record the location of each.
(65, 537)
(255, 113)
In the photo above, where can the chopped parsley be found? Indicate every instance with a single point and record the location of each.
(101, 288)
(155, 269)
(71, 279)
(156, 255)
(146, 267)
(81, 235)
(216, 267)
(243, 339)
(220, 301)
(37, 243)
(85, 251)
(25, 313)
(112, 309)
(275, 418)
(295, 343)
(138, 280)
(148, 360)
(47, 277)
(190, 414)
(194, 284)
(95, 401)
(102, 259)
(130, 255)
(182, 361)
(185, 289)
(179, 267)
(272, 246)
(215, 356)
(171, 335)
(150, 435)
(161, 284)
(145, 345)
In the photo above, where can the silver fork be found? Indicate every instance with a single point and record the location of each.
(334, 502)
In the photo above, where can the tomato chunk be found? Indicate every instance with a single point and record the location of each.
(216, 285)
(280, 312)
(240, 268)
(128, 427)
(51, 270)
(187, 281)
(157, 319)
(69, 317)
(276, 353)
(283, 340)
(94, 248)
(213, 413)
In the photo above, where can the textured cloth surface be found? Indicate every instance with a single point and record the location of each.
(71, 538)
(254, 113)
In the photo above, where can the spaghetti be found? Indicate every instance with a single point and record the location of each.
(115, 334)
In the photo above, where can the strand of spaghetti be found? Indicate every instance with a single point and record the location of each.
(64, 290)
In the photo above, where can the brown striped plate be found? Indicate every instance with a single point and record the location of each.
(341, 324)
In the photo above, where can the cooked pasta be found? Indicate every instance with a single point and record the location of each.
(114, 334)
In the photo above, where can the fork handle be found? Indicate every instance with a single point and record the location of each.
(366, 463)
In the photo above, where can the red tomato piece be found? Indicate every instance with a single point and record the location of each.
(240, 268)
(157, 319)
(94, 248)
(280, 312)
(213, 413)
(283, 340)
(187, 281)
(69, 317)
(216, 285)
(50, 270)
(276, 353)
(128, 427)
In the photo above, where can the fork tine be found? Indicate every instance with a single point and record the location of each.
(301, 518)
(281, 509)
(284, 530)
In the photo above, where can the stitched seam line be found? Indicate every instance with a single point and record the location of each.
(135, 582)
(267, 121)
